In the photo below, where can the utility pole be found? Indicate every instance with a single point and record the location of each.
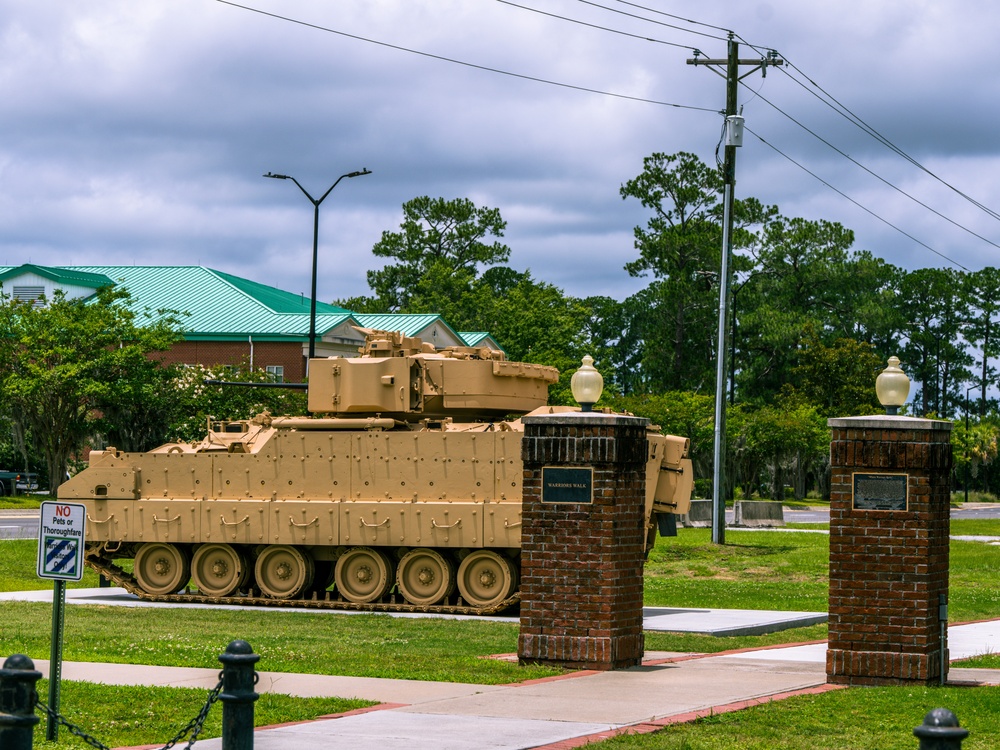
(734, 138)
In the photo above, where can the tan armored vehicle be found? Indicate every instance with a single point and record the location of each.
(404, 494)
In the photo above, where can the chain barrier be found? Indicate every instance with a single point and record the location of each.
(193, 727)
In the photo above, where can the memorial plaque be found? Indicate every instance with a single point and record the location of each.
(880, 491)
(567, 485)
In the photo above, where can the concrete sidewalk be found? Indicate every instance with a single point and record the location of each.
(565, 711)
(453, 716)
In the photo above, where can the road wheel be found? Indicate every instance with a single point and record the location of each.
(162, 568)
(218, 569)
(363, 575)
(425, 577)
(283, 572)
(486, 578)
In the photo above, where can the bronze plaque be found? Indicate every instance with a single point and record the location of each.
(880, 491)
(567, 485)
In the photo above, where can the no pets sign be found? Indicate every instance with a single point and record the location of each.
(60, 541)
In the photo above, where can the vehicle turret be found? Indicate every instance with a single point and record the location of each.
(404, 378)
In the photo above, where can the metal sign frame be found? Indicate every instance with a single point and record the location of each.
(61, 535)
(888, 491)
(568, 484)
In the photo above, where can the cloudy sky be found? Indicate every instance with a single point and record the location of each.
(138, 132)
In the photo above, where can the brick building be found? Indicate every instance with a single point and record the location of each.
(230, 320)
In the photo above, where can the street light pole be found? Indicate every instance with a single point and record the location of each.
(315, 202)
(967, 441)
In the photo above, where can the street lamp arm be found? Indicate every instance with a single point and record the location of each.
(349, 174)
(306, 192)
(315, 248)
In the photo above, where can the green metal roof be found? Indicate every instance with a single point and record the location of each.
(408, 325)
(218, 306)
(480, 338)
(278, 299)
(471, 338)
(58, 275)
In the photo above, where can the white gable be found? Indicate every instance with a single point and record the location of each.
(31, 286)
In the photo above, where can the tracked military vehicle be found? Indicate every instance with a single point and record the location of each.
(402, 491)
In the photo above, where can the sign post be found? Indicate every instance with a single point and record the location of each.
(61, 534)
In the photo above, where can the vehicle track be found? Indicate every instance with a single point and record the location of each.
(120, 577)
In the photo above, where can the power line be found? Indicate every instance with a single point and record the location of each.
(841, 109)
(878, 177)
(594, 25)
(858, 122)
(464, 63)
(845, 112)
(650, 20)
(856, 203)
(671, 15)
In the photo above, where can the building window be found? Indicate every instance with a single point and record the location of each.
(276, 373)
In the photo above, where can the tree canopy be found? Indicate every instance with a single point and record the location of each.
(64, 361)
(813, 321)
(440, 251)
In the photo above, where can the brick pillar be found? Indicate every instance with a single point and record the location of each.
(582, 547)
(889, 522)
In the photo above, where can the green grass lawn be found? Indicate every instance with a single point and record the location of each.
(19, 568)
(754, 570)
(22, 502)
(853, 719)
(362, 645)
(790, 571)
(975, 526)
(128, 716)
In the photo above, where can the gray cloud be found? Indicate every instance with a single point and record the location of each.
(138, 132)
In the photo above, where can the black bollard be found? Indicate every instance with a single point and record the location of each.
(17, 702)
(238, 696)
(940, 731)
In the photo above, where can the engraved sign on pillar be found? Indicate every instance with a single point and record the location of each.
(567, 484)
(880, 491)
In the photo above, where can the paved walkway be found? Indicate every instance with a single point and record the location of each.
(451, 716)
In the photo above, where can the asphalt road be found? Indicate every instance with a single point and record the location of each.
(976, 510)
(18, 524)
(989, 511)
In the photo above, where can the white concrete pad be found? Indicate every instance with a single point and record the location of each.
(964, 641)
(810, 653)
(974, 639)
(726, 622)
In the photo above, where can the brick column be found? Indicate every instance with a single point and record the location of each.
(582, 552)
(889, 523)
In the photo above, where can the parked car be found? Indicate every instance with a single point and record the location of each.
(14, 482)
(26, 483)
